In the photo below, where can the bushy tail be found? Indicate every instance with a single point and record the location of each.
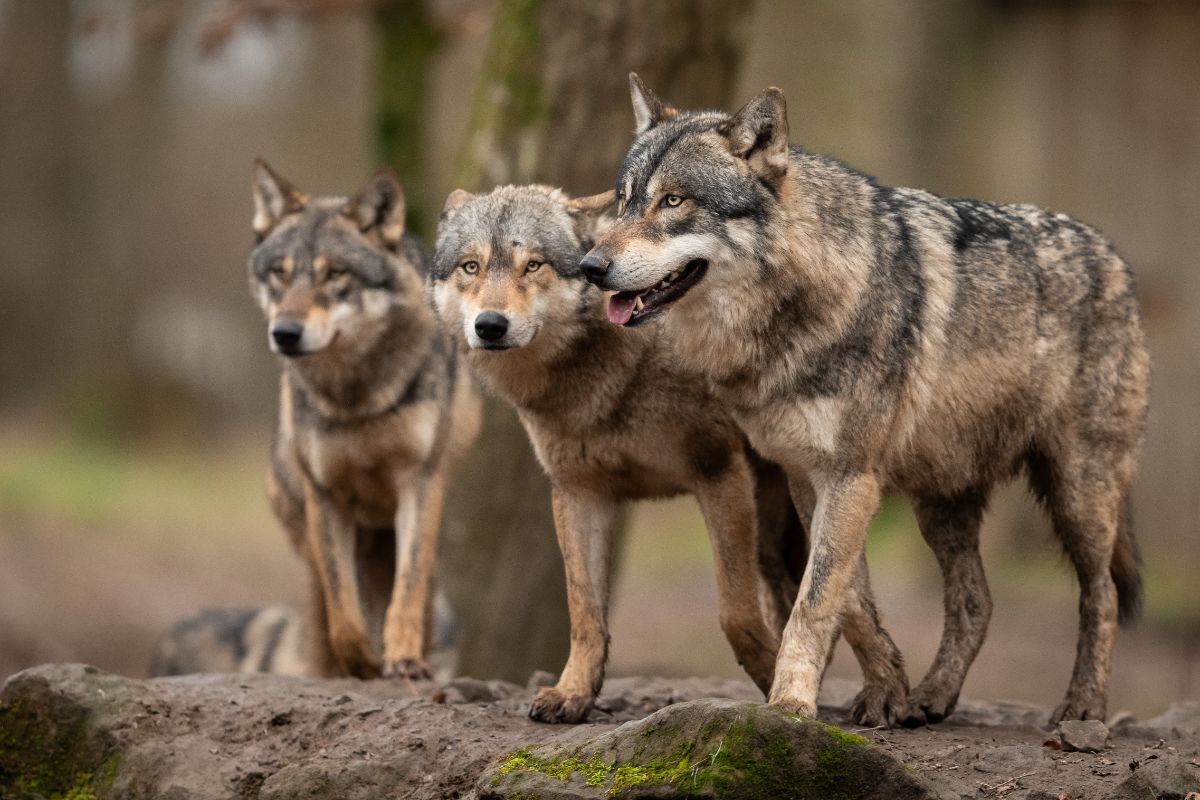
(1126, 569)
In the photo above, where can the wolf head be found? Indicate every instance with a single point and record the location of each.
(506, 266)
(330, 273)
(694, 192)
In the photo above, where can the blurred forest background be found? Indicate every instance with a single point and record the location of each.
(137, 392)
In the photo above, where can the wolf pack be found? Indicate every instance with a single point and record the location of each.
(738, 319)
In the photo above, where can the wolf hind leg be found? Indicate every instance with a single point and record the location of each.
(1086, 501)
(884, 696)
(727, 503)
(950, 526)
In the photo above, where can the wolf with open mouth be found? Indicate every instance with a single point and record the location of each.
(612, 419)
(871, 339)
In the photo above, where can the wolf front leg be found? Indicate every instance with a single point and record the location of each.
(844, 507)
(584, 524)
(331, 540)
(418, 519)
(728, 505)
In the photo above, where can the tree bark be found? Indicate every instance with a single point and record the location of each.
(552, 106)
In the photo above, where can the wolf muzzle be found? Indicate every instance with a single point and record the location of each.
(287, 335)
(491, 326)
(595, 268)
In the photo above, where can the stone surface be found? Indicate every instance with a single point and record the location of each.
(707, 748)
(69, 731)
(1165, 777)
(1083, 735)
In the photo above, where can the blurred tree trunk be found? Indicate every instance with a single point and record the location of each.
(552, 106)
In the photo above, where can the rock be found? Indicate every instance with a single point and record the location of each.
(1083, 735)
(706, 748)
(1164, 777)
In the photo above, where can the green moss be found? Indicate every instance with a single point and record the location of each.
(742, 757)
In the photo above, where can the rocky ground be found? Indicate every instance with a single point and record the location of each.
(70, 731)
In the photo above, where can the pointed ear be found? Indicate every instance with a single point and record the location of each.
(380, 208)
(274, 197)
(456, 200)
(648, 108)
(588, 213)
(759, 134)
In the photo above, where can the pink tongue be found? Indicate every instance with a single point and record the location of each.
(620, 307)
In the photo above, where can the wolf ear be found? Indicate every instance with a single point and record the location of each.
(588, 214)
(273, 198)
(648, 108)
(380, 207)
(456, 200)
(759, 134)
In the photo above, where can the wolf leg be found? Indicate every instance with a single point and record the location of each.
(844, 507)
(884, 696)
(584, 524)
(727, 503)
(1086, 507)
(331, 540)
(950, 525)
(418, 519)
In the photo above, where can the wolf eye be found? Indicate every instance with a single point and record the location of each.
(470, 267)
(277, 269)
(532, 266)
(671, 200)
(335, 271)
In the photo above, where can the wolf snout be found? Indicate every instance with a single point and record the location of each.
(491, 325)
(287, 334)
(595, 267)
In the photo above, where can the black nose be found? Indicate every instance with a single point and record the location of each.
(286, 334)
(594, 267)
(491, 326)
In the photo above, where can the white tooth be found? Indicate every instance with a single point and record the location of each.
(638, 305)
(673, 275)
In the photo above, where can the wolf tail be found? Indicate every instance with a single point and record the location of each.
(1126, 569)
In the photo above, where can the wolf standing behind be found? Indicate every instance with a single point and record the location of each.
(613, 419)
(374, 410)
(872, 339)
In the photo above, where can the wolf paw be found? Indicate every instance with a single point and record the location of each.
(416, 669)
(553, 705)
(354, 654)
(927, 705)
(1079, 708)
(879, 705)
(794, 706)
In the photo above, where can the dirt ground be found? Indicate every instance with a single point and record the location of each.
(264, 737)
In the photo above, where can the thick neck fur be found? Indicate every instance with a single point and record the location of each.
(348, 385)
(570, 376)
(803, 271)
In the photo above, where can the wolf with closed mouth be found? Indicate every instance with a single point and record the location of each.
(374, 410)
(612, 419)
(872, 339)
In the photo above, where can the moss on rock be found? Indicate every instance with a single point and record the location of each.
(707, 748)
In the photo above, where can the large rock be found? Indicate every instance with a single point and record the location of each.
(707, 748)
(69, 732)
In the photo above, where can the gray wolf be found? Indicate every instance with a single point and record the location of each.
(873, 339)
(268, 639)
(374, 410)
(612, 419)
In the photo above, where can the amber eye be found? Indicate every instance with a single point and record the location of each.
(470, 267)
(672, 200)
(335, 272)
(278, 270)
(532, 266)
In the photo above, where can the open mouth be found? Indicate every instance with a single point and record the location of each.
(634, 308)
